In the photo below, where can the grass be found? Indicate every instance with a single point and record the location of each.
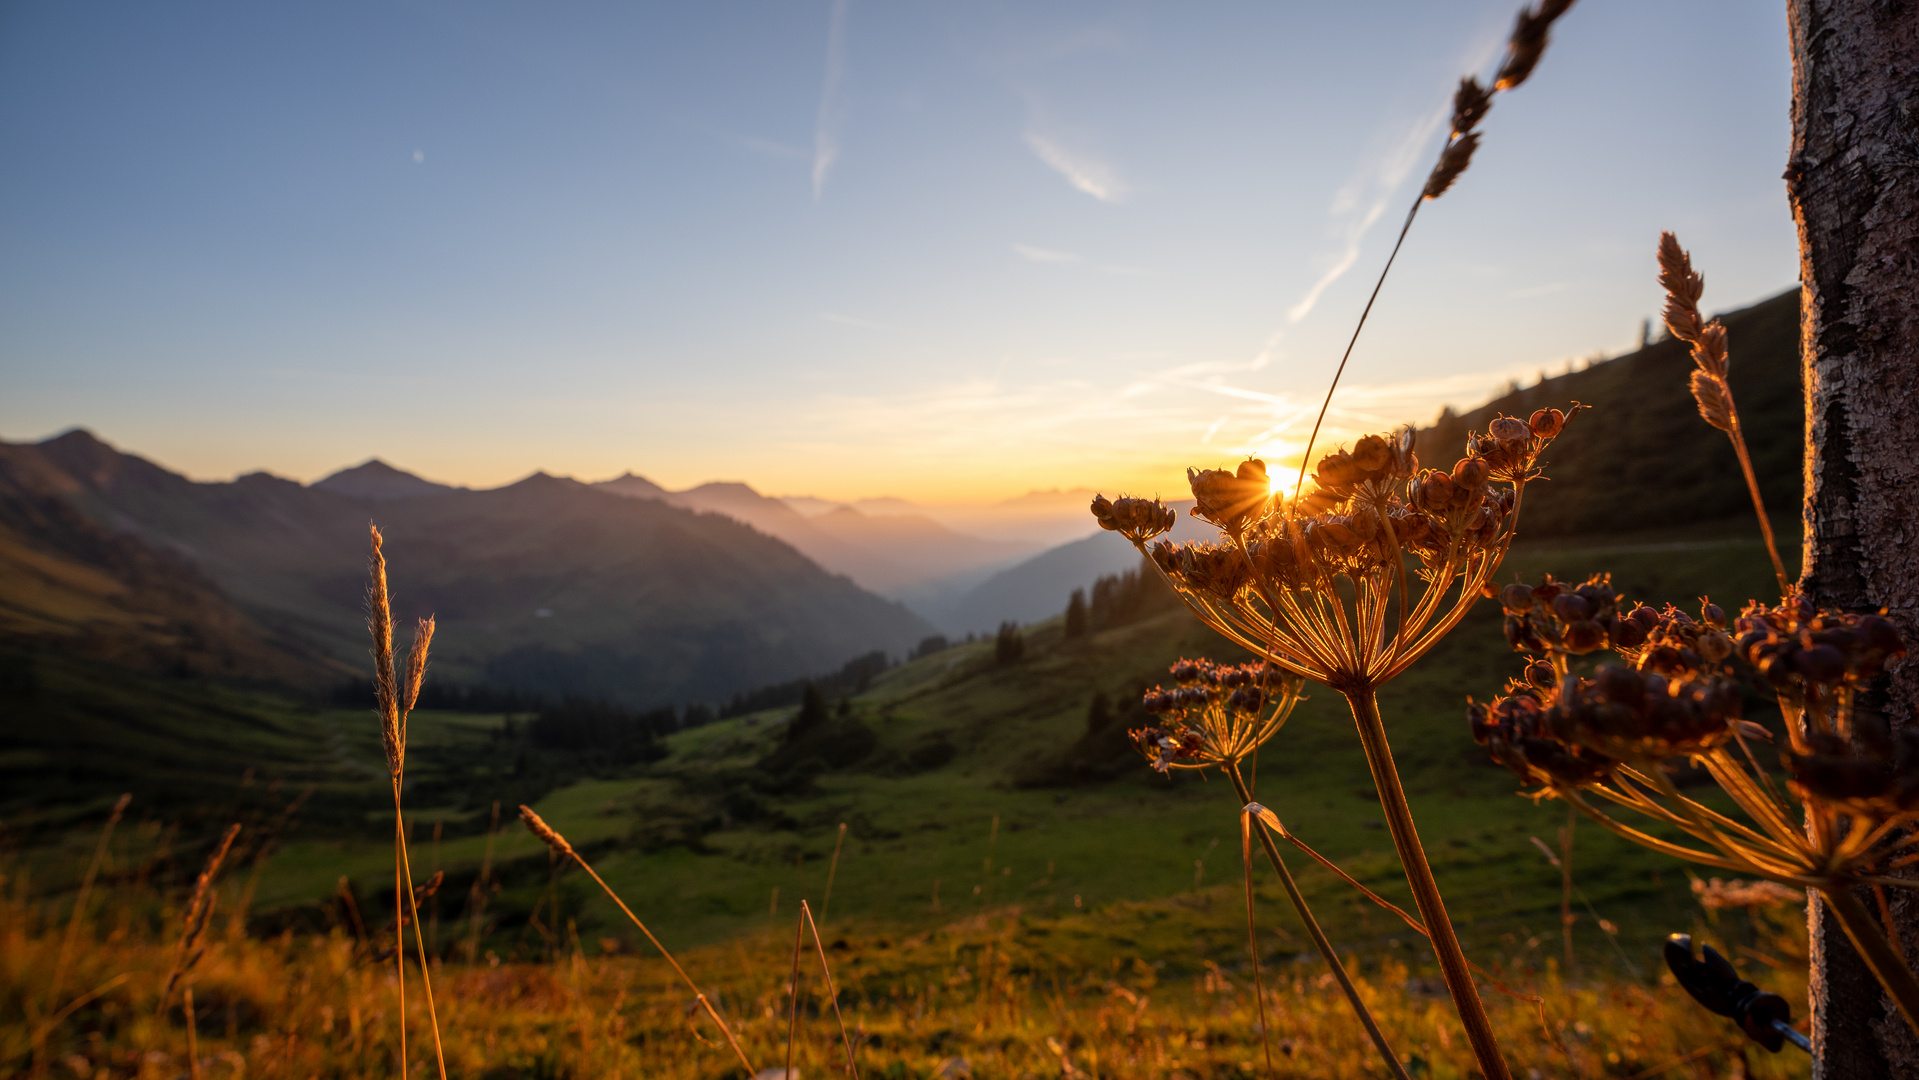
(1124, 990)
(663, 835)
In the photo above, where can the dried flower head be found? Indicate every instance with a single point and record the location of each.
(1815, 658)
(1873, 774)
(1558, 618)
(1515, 730)
(1215, 714)
(1643, 716)
(1231, 500)
(1138, 520)
(1272, 583)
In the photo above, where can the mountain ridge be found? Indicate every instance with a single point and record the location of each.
(643, 601)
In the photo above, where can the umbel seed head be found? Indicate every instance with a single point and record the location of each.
(1138, 520)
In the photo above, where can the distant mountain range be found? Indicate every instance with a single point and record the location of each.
(627, 590)
(546, 585)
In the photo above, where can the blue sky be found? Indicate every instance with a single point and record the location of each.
(938, 251)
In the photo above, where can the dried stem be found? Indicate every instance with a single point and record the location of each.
(558, 843)
(80, 901)
(1318, 935)
(1453, 965)
(1470, 105)
(1252, 938)
(832, 868)
(193, 1036)
(413, 906)
(1566, 884)
(826, 974)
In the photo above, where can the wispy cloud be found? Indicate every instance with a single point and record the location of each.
(1086, 173)
(826, 135)
(1048, 255)
(1362, 200)
(1043, 255)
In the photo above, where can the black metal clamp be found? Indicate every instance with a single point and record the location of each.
(1764, 1016)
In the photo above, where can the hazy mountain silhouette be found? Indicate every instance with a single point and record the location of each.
(375, 479)
(545, 585)
(898, 555)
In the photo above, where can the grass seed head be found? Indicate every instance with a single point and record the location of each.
(386, 689)
(1531, 32)
(545, 832)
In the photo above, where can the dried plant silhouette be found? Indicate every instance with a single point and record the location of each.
(1310, 584)
(1217, 717)
(1670, 693)
(1471, 102)
(1711, 381)
(395, 702)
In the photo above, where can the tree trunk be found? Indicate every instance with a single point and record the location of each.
(1853, 179)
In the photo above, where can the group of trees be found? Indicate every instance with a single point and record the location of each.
(853, 677)
(1118, 599)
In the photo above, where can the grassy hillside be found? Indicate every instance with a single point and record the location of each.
(700, 841)
(1641, 459)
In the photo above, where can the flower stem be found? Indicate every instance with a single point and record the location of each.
(1318, 935)
(1887, 966)
(1738, 438)
(1419, 874)
(413, 904)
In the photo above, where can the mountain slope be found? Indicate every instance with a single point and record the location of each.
(94, 592)
(546, 585)
(1641, 457)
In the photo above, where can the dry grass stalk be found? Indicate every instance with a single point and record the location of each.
(832, 869)
(552, 839)
(395, 705)
(1711, 379)
(58, 982)
(199, 911)
(193, 1035)
(1471, 102)
(832, 994)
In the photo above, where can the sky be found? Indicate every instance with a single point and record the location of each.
(944, 252)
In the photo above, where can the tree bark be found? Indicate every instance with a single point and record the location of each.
(1853, 180)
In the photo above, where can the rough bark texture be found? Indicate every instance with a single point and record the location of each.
(1854, 182)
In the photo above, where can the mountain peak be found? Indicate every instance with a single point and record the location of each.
(375, 479)
(633, 486)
